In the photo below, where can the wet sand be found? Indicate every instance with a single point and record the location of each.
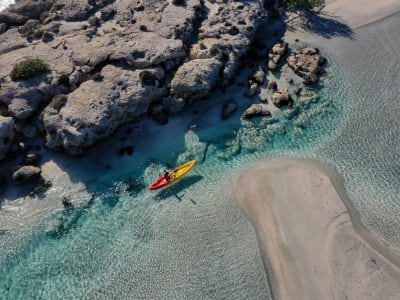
(310, 235)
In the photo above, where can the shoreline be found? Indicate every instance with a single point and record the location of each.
(360, 13)
(313, 247)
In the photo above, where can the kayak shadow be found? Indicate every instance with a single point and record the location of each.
(177, 187)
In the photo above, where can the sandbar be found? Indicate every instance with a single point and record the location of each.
(311, 237)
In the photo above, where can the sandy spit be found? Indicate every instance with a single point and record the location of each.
(358, 13)
(311, 237)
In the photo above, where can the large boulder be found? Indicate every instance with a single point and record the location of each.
(97, 108)
(308, 64)
(276, 53)
(196, 78)
(282, 98)
(228, 109)
(22, 11)
(26, 174)
(256, 110)
(6, 134)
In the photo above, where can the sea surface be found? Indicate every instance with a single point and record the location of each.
(191, 241)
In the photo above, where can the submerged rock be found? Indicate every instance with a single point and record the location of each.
(6, 135)
(277, 51)
(228, 109)
(26, 174)
(256, 110)
(282, 98)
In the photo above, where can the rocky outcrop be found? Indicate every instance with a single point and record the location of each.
(308, 64)
(195, 79)
(6, 135)
(26, 174)
(282, 98)
(276, 53)
(97, 108)
(84, 41)
(256, 110)
(22, 11)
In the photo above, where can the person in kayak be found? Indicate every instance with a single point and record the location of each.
(169, 175)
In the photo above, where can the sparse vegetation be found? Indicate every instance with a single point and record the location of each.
(58, 101)
(28, 68)
(64, 80)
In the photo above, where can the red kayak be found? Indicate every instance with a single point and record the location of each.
(173, 175)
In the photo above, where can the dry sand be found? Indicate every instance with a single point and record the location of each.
(357, 13)
(311, 237)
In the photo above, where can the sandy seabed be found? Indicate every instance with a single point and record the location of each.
(311, 237)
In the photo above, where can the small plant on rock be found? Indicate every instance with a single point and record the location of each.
(64, 80)
(28, 68)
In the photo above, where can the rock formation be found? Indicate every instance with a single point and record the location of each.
(308, 64)
(113, 59)
(256, 110)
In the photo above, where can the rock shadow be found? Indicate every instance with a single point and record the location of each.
(328, 26)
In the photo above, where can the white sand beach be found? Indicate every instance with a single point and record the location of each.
(357, 13)
(312, 237)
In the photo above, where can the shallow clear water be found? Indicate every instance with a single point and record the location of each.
(191, 241)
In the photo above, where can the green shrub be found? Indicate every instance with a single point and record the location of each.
(28, 68)
(58, 101)
(64, 79)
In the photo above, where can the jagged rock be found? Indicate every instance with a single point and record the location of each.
(277, 51)
(29, 26)
(32, 159)
(308, 64)
(6, 135)
(252, 90)
(95, 110)
(173, 105)
(256, 110)
(272, 85)
(258, 76)
(196, 78)
(282, 98)
(228, 109)
(226, 33)
(26, 174)
(20, 108)
(22, 11)
(157, 113)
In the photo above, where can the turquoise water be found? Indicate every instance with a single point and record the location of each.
(191, 241)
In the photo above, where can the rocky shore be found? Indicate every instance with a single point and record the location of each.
(72, 72)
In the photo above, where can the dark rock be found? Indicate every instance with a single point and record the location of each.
(256, 110)
(228, 109)
(22, 11)
(178, 2)
(26, 174)
(272, 85)
(282, 98)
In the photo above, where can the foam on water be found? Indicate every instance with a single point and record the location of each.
(191, 241)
